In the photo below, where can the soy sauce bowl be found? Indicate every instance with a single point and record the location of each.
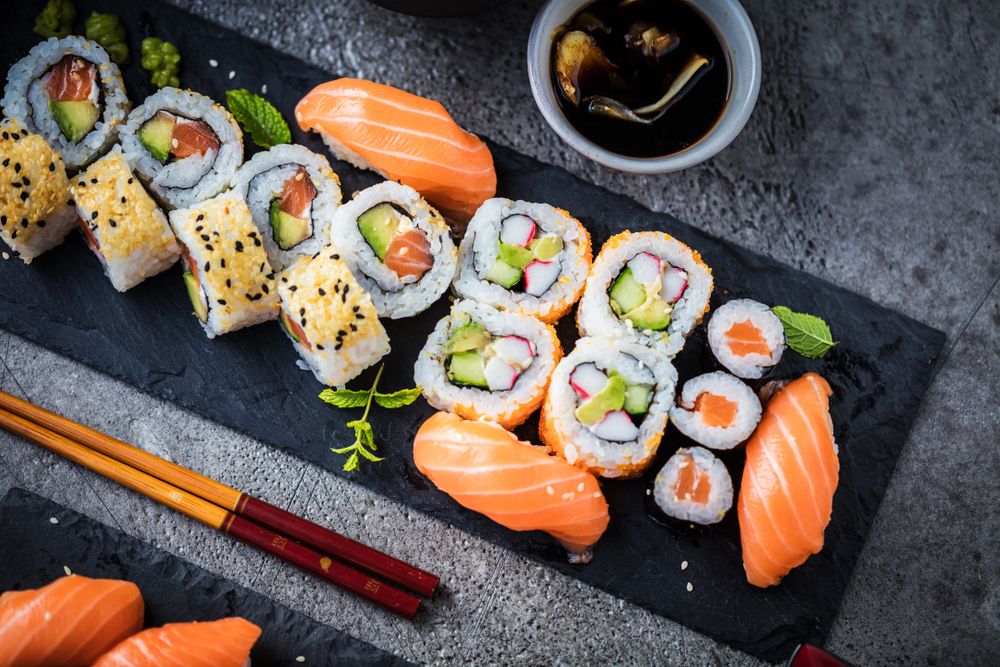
(739, 39)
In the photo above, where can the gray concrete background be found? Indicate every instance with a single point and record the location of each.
(871, 160)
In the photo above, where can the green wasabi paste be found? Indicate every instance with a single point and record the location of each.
(56, 20)
(163, 61)
(108, 31)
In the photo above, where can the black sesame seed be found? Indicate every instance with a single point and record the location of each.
(41, 223)
(81, 184)
(93, 216)
(315, 256)
(303, 321)
(252, 234)
(360, 316)
(318, 346)
(239, 247)
(123, 200)
(261, 267)
(208, 246)
(216, 234)
(130, 181)
(112, 222)
(354, 327)
(222, 302)
(17, 167)
(338, 346)
(336, 288)
(356, 308)
(198, 228)
(266, 289)
(341, 333)
(322, 292)
(16, 184)
(284, 280)
(270, 276)
(223, 262)
(249, 296)
(256, 242)
(208, 267)
(13, 235)
(302, 311)
(26, 181)
(15, 136)
(199, 218)
(228, 283)
(71, 202)
(6, 162)
(206, 237)
(6, 136)
(3, 219)
(293, 288)
(24, 223)
(93, 180)
(334, 256)
(52, 166)
(24, 196)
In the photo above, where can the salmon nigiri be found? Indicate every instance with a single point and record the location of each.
(70, 622)
(405, 138)
(488, 470)
(788, 483)
(223, 643)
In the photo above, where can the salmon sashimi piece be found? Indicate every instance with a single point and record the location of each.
(486, 469)
(72, 79)
(789, 480)
(409, 254)
(716, 410)
(70, 622)
(297, 194)
(192, 138)
(223, 643)
(744, 338)
(405, 138)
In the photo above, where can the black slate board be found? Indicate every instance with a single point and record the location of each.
(34, 552)
(248, 380)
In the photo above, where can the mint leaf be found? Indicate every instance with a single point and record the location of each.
(345, 398)
(807, 334)
(258, 117)
(398, 399)
(352, 462)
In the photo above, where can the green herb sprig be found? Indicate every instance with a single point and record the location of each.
(807, 334)
(363, 437)
(258, 117)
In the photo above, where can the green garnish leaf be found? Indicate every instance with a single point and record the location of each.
(258, 117)
(345, 398)
(56, 20)
(398, 399)
(163, 61)
(807, 334)
(108, 31)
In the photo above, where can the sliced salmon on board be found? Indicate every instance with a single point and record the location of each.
(789, 480)
(223, 643)
(409, 254)
(297, 194)
(72, 79)
(68, 623)
(192, 138)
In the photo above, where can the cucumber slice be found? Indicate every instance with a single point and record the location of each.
(627, 293)
(468, 368)
(637, 397)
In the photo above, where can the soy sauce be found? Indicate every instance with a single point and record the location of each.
(641, 82)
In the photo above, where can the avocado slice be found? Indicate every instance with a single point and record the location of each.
(194, 291)
(653, 314)
(378, 225)
(468, 336)
(156, 134)
(468, 368)
(288, 327)
(637, 398)
(609, 399)
(504, 274)
(515, 255)
(75, 118)
(627, 293)
(546, 247)
(289, 231)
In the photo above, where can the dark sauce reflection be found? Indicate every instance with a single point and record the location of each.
(618, 56)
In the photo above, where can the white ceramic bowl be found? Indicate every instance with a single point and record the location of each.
(740, 40)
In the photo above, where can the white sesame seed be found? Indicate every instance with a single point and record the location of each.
(213, 62)
(690, 587)
(298, 116)
(67, 570)
(301, 658)
(648, 491)
(263, 91)
(232, 75)
(550, 490)
(684, 565)
(298, 176)
(6, 256)
(48, 616)
(580, 487)
(684, 464)
(173, 142)
(53, 520)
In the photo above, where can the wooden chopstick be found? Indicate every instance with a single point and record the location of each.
(354, 553)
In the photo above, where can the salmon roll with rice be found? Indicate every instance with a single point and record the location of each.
(36, 211)
(184, 146)
(228, 278)
(746, 338)
(694, 486)
(716, 410)
(292, 194)
(646, 286)
(71, 93)
(527, 258)
(482, 362)
(397, 246)
(122, 224)
(606, 407)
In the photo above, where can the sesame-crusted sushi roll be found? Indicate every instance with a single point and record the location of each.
(227, 274)
(122, 224)
(716, 410)
(607, 405)
(331, 320)
(184, 146)
(648, 286)
(71, 93)
(527, 258)
(746, 338)
(292, 194)
(482, 362)
(397, 246)
(35, 213)
(694, 486)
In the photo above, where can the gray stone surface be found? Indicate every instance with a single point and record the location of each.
(871, 160)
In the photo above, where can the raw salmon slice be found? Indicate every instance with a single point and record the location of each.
(716, 410)
(790, 476)
(223, 643)
(692, 481)
(192, 138)
(486, 469)
(409, 254)
(68, 623)
(744, 338)
(71, 80)
(297, 194)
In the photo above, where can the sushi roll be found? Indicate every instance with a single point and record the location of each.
(694, 486)
(71, 93)
(226, 271)
(330, 318)
(481, 362)
(607, 406)
(746, 338)
(527, 258)
(292, 195)
(647, 286)
(398, 248)
(122, 224)
(716, 410)
(35, 213)
(184, 146)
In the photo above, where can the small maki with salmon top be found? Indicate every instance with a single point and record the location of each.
(716, 410)
(746, 338)
(694, 486)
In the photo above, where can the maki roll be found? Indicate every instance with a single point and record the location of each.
(184, 146)
(122, 224)
(694, 486)
(35, 213)
(527, 258)
(330, 318)
(397, 246)
(292, 195)
(71, 93)
(226, 271)
(648, 286)
(746, 338)
(607, 405)
(716, 410)
(481, 362)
